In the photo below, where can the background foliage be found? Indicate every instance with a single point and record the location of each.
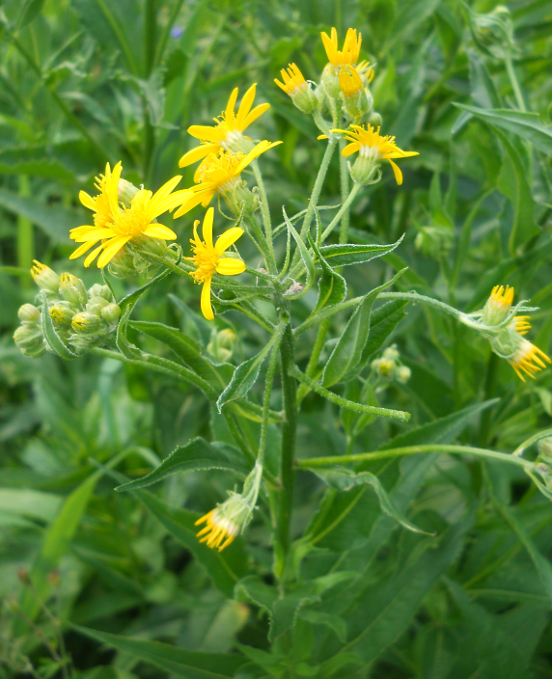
(87, 81)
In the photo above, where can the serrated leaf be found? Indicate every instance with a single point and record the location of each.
(345, 255)
(51, 336)
(343, 479)
(179, 661)
(332, 288)
(245, 375)
(195, 455)
(523, 124)
(347, 353)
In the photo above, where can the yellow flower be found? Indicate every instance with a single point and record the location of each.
(219, 531)
(522, 325)
(528, 358)
(350, 81)
(114, 225)
(229, 127)
(208, 258)
(219, 173)
(293, 79)
(351, 48)
(370, 145)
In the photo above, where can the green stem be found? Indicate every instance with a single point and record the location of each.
(261, 243)
(342, 210)
(25, 239)
(315, 462)
(318, 184)
(271, 371)
(514, 81)
(345, 403)
(344, 181)
(265, 213)
(313, 360)
(287, 456)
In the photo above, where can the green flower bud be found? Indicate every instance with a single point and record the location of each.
(111, 313)
(29, 340)
(391, 353)
(222, 345)
(98, 290)
(72, 289)
(62, 314)
(44, 277)
(383, 367)
(330, 81)
(96, 304)
(498, 306)
(86, 323)
(375, 119)
(240, 198)
(403, 374)
(28, 313)
(365, 170)
(545, 449)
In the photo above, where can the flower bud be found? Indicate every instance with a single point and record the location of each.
(62, 314)
(384, 367)
(72, 289)
(403, 374)
(111, 313)
(222, 345)
(303, 97)
(365, 170)
(29, 340)
(96, 304)
(240, 199)
(545, 449)
(391, 353)
(98, 290)
(330, 82)
(86, 323)
(44, 277)
(498, 305)
(28, 313)
(375, 119)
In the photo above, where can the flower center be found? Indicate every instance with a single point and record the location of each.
(205, 260)
(134, 219)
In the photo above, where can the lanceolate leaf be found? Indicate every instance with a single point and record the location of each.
(524, 125)
(54, 341)
(348, 352)
(332, 288)
(179, 661)
(382, 323)
(344, 255)
(305, 256)
(195, 455)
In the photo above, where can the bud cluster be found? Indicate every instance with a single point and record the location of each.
(389, 367)
(81, 318)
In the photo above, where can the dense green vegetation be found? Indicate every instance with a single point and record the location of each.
(430, 559)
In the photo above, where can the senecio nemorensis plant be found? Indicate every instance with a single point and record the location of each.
(126, 236)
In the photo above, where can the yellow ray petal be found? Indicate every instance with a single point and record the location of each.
(228, 266)
(87, 200)
(92, 256)
(195, 199)
(255, 113)
(206, 307)
(261, 147)
(229, 114)
(82, 249)
(396, 171)
(227, 239)
(197, 154)
(81, 230)
(208, 227)
(167, 188)
(245, 106)
(207, 133)
(159, 231)
(111, 249)
(350, 149)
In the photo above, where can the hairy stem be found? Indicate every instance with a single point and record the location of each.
(344, 181)
(318, 184)
(342, 210)
(313, 360)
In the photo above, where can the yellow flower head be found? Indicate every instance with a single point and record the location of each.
(522, 325)
(294, 82)
(219, 531)
(208, 258)
(350, 81)
(370, 144)
(528, 358)
(228, 129)
(219, 173)
(502, 297)
(351, 48)
(114, 229)
(44, 277)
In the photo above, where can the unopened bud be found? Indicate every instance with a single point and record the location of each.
(403, 374)
(98, 290)
(222, 344)
(29, 340)
(62, 314)
(86, 322)
(391, 353)
(44, 277)
(96, 304)
(498, 306)
(72, 289)
(330, 81)
(375, 119)
(111, 313)
(28, 313)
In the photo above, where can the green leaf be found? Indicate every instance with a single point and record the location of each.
(195, 455)
(524, 125)
(305, 256)
(225, 568)
(343, 479)
(185, 348)
(345, 255)
(55, 221)
(30, 10)
(483, 90)
(382, 323)
(332, 288)
(347, 354)
(513, 184)
(179, 661)
(51, 336)
(246, 375)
